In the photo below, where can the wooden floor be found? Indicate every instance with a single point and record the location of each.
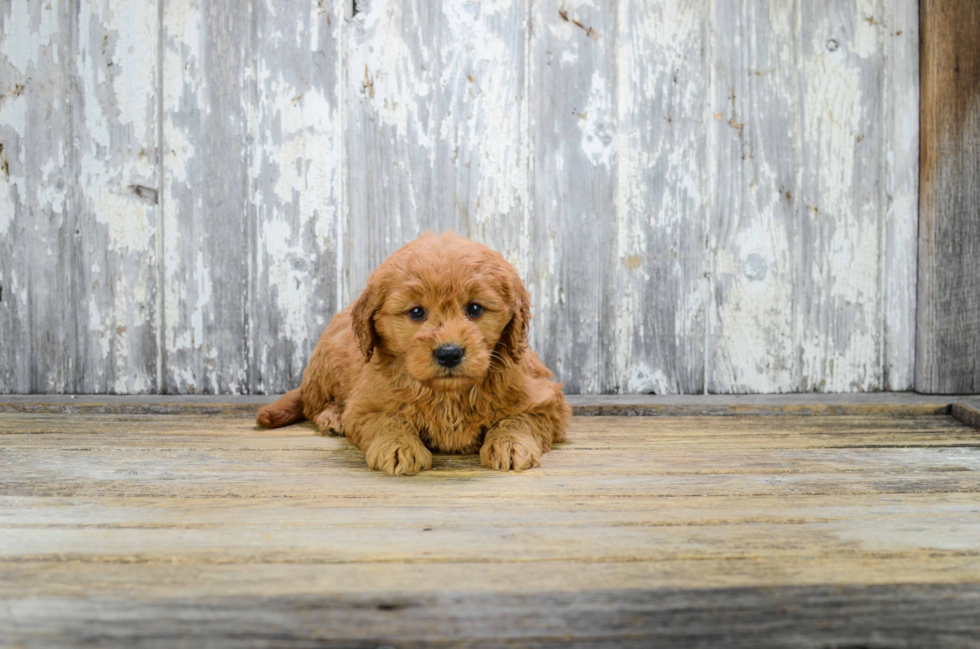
(201, 530)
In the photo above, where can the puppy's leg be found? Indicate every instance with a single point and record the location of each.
(389, 444)
(328, 421)
(512, 443)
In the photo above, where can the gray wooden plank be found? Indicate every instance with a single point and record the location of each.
(841, 201)
(297, 186)
(755, 164)
(948, 316)
(825, 458)
(810, 297)
(204, 197)
(114, 132)
(660, 258)
(38, 236)
(573, 122)
(900, 115)
(438, 135)
(899, 615)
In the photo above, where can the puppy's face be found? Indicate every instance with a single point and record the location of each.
(447, 307)
(446, 337)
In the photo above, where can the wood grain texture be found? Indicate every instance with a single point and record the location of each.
(700, 197)
(841, 204)
(296, 186)
(253, 202)
(812, 616)
(659, 264)
(438, 127)
(754, 341)
(205, 230)
(948, 316)
(114, 268)
(813, 267)
(38, 237)
(573, 119)
(120, 529)
(899, 112)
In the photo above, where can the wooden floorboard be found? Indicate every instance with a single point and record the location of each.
(198, 529)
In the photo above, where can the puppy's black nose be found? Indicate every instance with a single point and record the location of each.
(449, 355)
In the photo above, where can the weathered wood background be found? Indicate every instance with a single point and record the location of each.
(701, 196)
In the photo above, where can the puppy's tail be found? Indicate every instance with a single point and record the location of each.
(287, 409)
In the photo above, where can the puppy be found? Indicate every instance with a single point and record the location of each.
(432, 357)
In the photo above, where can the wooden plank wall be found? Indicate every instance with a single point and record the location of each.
(948, 346)
(700, 196)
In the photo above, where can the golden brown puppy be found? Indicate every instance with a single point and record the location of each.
(433, 355)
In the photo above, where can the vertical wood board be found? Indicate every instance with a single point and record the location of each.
(574, 160)
(659, 265)
(948, 317)
(205, 230)
(842, 209)
(114, 268)
(900, 114)
(296, 186)
(755, 177)
(38, 235)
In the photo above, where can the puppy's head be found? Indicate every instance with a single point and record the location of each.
(447, 307)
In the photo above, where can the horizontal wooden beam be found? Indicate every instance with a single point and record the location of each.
(886, 403)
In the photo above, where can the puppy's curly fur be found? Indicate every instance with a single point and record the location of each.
(374, 375)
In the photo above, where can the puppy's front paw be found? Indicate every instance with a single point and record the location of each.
(398, 455)
(508, 452)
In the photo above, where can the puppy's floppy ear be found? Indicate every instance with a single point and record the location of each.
(514, 336)
(362, 321)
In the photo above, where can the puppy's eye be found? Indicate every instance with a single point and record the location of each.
(417, 314)
(474, 310)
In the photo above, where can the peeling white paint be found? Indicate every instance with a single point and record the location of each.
(99, 331)
(658, 194)
(35, 25)
(598, 128)
(390, 76)
(13, 114)
(644, 380)
(134, 59)
(7, 205)
(844, 354)
(676, 113)
(867, 22)
(296, 173)
(291, 285)
(50, 193)
(481, 82)
(115, 112)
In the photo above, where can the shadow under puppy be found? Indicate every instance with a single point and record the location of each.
(432, 355)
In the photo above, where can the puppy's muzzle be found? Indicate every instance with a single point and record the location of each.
(449, 355)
